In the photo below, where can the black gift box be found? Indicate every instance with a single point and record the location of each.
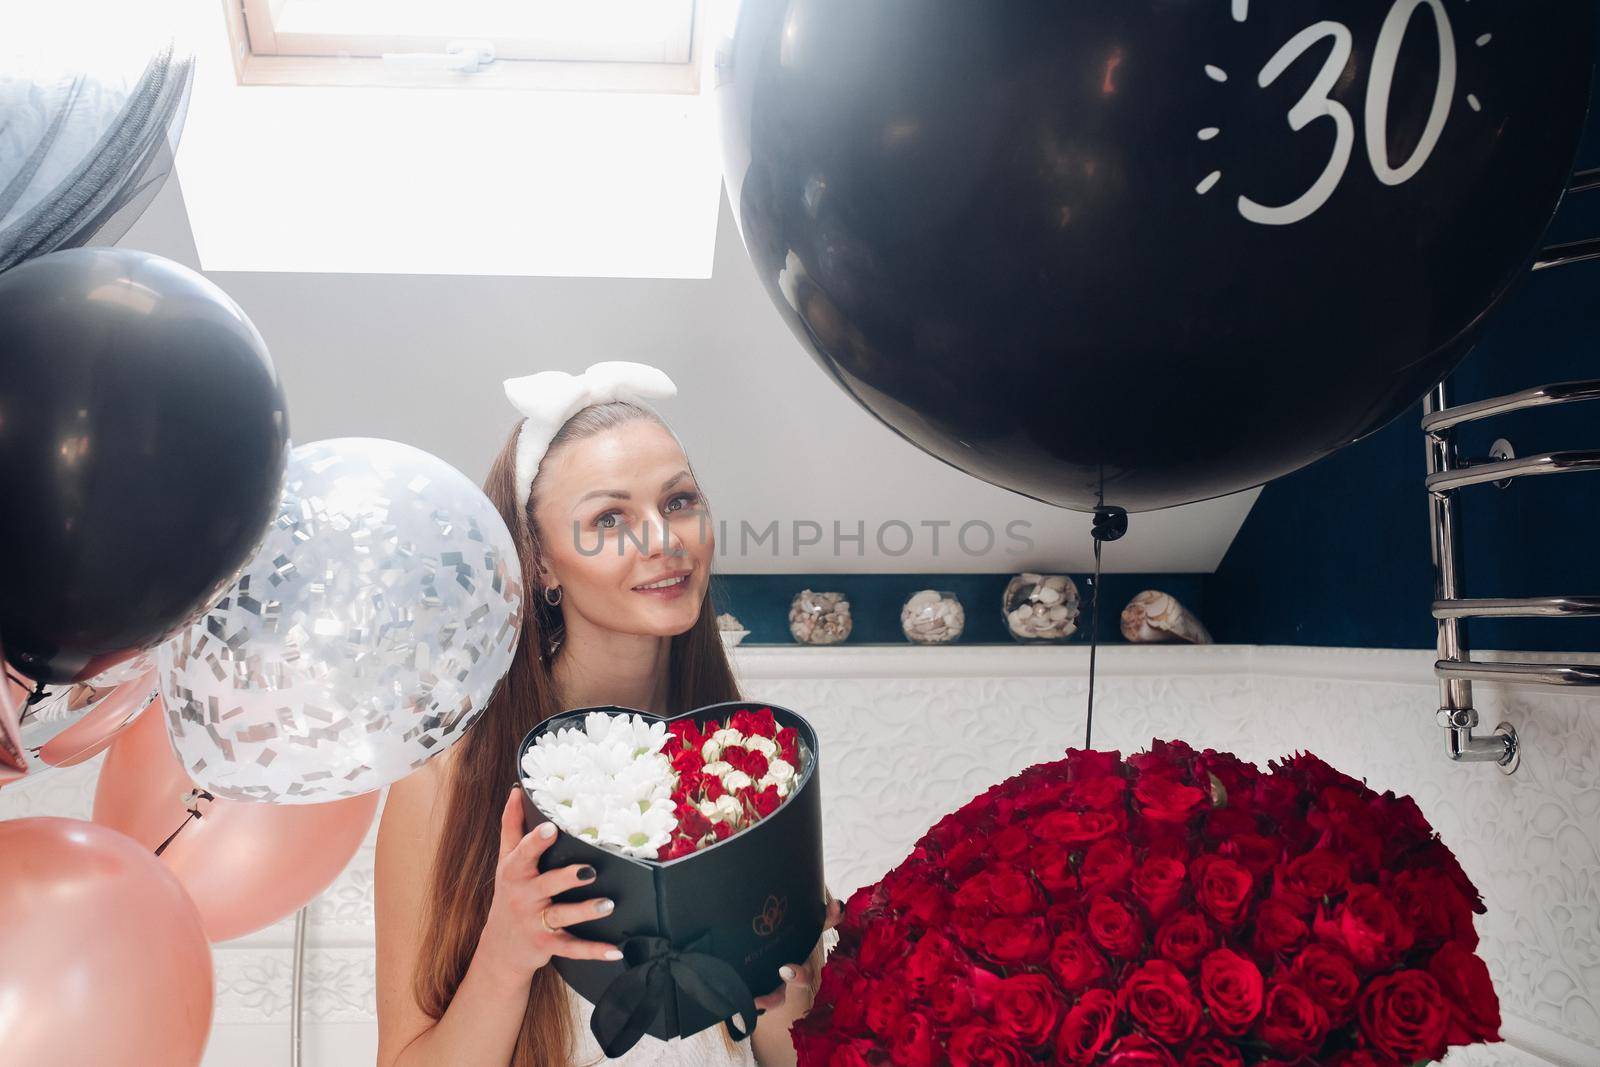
(705, 933)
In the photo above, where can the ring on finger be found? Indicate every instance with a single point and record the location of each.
(544, 920)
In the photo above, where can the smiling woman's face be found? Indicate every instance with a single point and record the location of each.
(620, 510)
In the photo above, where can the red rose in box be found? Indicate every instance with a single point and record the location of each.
(706, 829)
(1175, 909)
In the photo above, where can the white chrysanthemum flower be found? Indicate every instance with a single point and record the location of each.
(764, 745)
(734, 781)
(638, 833)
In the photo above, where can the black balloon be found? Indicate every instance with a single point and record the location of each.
(1159, 250)
(143, 438)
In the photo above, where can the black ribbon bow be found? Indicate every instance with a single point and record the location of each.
(656, 973)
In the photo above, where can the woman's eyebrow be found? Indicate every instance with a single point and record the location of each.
(620, 494)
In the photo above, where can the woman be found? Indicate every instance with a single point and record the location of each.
(616, 547)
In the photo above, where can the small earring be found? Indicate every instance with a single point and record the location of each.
(557, 599)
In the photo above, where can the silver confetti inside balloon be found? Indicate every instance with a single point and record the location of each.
(364, 637)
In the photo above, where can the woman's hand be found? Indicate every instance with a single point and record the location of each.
(524, 929)
(803, 976)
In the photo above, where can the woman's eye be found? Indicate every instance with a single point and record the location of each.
(689, 501)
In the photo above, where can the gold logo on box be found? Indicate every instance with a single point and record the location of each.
(771, 917)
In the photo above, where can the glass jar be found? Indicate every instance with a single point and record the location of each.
(819, 618)
(1040, 607)
(932, 617)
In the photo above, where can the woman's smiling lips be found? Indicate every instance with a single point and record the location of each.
(674, 588)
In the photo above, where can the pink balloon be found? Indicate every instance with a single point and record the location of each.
(246, 864)
(90, 735)
(103, 958)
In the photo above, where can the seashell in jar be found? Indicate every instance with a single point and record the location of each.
(819, 618)
(1153, 617)
(1040, 607)
(932, 616)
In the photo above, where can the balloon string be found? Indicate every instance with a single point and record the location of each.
(1110, 523)
(193, 798)
(1094, 644)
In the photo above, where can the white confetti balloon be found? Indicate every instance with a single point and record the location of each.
(365, 636)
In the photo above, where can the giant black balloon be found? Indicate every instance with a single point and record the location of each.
(1161, 250)
(143, 437)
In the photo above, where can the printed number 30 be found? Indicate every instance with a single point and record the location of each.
(1316, 104)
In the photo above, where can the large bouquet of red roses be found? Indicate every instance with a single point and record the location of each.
(1174, 909)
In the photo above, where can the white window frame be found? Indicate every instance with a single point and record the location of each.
(264, 56)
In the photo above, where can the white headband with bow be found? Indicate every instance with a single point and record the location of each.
(551, 397)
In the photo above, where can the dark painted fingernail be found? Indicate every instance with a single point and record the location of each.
(586, 873)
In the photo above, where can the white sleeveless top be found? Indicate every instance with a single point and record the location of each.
(711, 1047)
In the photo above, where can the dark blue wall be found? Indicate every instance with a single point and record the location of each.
(1337, 554)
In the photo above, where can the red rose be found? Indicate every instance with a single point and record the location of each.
(1157, 885)
(886, 1006)
(1256, 853)
(755, 765)
(1331, 980)
(734, 756)
(1464, 980)
(1002, 889)
(883, 944)
(1158, 996)
(1136, 1050)
(788, 742)
(1010, 940)
(966, 857)
(851, 1054)
(721, 829)
(1166, 800)
(1027, 1007)
(767, 800)
(1291, 1022)
(1279, 930)
(1404, 1016)
(1232, 989)
(1083, 764)
(1185, 938)
(1222, 888)
(1075, 962)
(914, 1043)
(1210, 1052)
(924, 901)
(1087, 1027)
(1011, 844)
(1316, 874)
(1068, 828)
(1096, 794)
(691, 823)
(949, 1004)
(687, 761)
(713, 787)
(1115, 927)
(1107, 866)
(976, 1045)
(1433, 906)
(1054, 867)
(1367, 927)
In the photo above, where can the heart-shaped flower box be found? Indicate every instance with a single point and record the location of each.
(704, 933)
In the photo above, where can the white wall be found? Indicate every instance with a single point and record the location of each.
(420, 358)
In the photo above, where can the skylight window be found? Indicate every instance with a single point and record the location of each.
(620, 45)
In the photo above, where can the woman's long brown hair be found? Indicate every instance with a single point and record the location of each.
(485, 763)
